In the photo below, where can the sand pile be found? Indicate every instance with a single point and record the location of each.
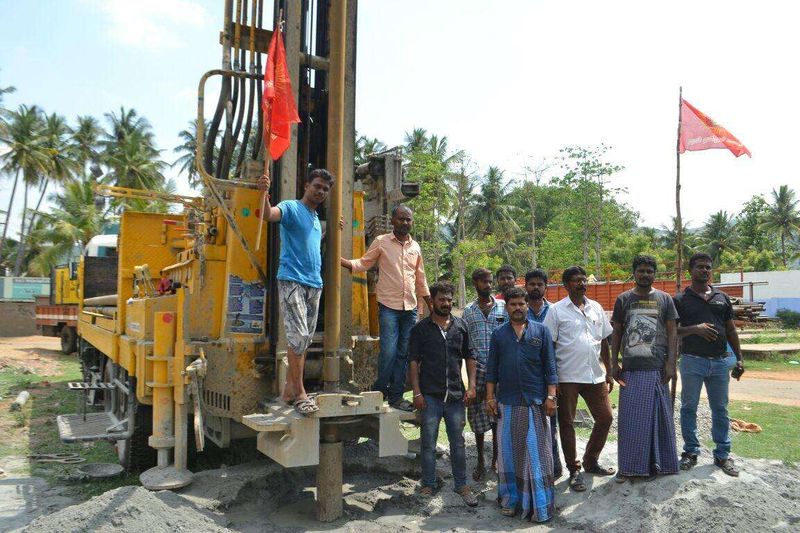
(131, 509)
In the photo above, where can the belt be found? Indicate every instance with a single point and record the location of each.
(723, 356)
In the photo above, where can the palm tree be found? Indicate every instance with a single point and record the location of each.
(783, 217)
(3, 110)
(126, 123)
(134, 163)
(61, 166)
(26, 156)
(417, 139)
(492, 213)
(85, 141)
(719, 234)
(669, 238)
(72, 221)
(188, 149)
(366, 146)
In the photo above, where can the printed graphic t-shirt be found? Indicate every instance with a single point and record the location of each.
(301, 242)
(644, 319)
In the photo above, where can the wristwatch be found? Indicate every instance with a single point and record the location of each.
(554, 399)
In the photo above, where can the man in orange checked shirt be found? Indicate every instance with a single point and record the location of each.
(401, 280)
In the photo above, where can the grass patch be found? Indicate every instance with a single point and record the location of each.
(779, 438)
(774, 363)
(774, 337)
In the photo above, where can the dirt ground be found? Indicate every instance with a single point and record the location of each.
(380, 494)
(35, 353)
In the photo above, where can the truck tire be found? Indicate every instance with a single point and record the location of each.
(69, 340)
(134, 453)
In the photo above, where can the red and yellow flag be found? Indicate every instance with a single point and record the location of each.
(277, 104)
(699, 132)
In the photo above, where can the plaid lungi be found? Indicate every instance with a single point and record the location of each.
(525, 461)
(479, 420)
(646, 442)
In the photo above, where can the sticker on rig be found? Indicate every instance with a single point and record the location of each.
(245, 305)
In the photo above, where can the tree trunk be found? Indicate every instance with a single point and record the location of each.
(532, 203)
(23, 240)
(8, 214)
(598, 234)
(462, 284)
(585, 243)
(783, 248)
(20, 251)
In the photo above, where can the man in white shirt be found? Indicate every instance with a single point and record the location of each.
(580, 329)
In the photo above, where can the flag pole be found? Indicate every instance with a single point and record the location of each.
(678, 220)
(673, 388)
(267, 157)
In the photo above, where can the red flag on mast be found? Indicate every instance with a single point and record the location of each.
(278, 105)
(699, 132)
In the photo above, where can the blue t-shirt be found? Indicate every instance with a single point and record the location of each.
(301, 240)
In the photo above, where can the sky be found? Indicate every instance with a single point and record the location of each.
(509, 82)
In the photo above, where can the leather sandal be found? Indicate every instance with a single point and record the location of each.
(599, 470)
(576, 482)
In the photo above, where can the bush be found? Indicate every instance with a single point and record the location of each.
(790, 319)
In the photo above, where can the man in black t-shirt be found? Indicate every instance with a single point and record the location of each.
(707, 328)
(645, 331)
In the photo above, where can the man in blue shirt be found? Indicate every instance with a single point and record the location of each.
(522, 369)
(299, 277)
(536, 287)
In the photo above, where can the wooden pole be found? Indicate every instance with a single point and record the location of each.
(679, 229)
(678, 220)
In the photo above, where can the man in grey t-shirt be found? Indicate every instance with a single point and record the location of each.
(645, 329)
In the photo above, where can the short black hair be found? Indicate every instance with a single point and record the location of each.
(536, 273)
(571, 271)
(648, 260)
(480, 273)
(322, 174)
(515, 292)
(445, 287)
(398, 207)
(506, 268)
(699, 256)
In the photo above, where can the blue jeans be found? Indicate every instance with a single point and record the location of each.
(393, 361)
(454, 421)
(715, 373)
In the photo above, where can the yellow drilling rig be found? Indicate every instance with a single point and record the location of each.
(186, 330)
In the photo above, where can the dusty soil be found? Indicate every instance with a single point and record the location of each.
(36, 353)
(380, 495)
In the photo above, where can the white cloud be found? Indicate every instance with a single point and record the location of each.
(151, 24)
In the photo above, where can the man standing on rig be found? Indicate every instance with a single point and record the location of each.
(299, 277)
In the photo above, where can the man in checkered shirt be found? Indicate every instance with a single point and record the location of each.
(482, 317)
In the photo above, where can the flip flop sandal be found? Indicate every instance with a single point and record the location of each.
(306, 406)
(478, 474)
(620, 479)
(508, 511)
(576, 483)
(599, 470)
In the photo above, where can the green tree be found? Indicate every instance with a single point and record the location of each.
(492, 213)
(719, 234)
(86, 142)
(26, 157)
(72, 221)
(587, 172)
(187, 150)
(61, 167)
(783, 217)
(366, 146)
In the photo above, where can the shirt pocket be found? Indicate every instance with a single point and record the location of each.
(532, 349)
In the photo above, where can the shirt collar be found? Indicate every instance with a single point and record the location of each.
(689, 290)
(395, 239)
